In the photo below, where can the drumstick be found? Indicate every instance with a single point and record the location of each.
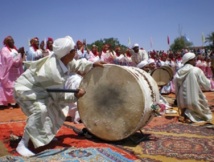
(63, 90)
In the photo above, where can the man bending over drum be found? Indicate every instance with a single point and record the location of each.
(44, 109)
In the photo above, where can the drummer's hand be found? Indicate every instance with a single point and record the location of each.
(80, 93)
(99, 64)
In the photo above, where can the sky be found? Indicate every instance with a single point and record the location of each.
(146, 22)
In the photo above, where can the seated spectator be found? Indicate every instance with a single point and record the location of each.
(189, 81)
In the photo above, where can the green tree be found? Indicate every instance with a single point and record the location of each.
(112, 42)
(180, 43)
(210, 39)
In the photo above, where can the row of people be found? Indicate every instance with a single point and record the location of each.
(37, 50)
(132, 57)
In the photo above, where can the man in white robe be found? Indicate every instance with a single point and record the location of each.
(138, 55)
(188, 83)
(46, 110)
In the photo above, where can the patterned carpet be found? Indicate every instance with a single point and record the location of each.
(72, 155)
(173, 142)
(181, 128)
(180, 147)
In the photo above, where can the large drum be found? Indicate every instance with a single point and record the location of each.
(162, 75)
(117, 102)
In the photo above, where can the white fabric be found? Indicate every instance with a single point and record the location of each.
(188, 82)
(178, 64)
(82, 54)
(164, 63)
(93, 58)
(23, 150)
(142, 64)
(108, 56)
(187, 56)
(33, 55)
(138, 57)
(63, 46)
(73, 82)
(151, 61)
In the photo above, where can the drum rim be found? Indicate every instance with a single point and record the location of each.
(165, 68)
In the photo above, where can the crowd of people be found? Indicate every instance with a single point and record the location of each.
(61, 63)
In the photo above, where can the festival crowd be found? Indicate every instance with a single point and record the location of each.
(61, 63)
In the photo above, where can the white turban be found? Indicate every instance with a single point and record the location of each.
(62, 46)
(187, 56)
(151, 61)
(142, 64)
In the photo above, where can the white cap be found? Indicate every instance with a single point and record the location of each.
(150, 60)
(187, 56)
(62, 46)
(135, 45)
(142, 64)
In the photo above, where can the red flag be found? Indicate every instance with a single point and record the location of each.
(168, 41)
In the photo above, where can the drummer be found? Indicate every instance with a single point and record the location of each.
(45, 110)
(138, 54)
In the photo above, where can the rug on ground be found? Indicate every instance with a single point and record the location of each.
(174, 142)
(168, 141)
(66, 138)
(73, 155)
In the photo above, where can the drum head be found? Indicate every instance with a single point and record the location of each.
(162, 75)
(113, 104)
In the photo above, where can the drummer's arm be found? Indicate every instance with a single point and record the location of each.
(82, 66)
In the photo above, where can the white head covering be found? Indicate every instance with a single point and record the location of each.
(142, 64)
(187, 56)
(151, 61)
(135, 45)
(63, 46)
